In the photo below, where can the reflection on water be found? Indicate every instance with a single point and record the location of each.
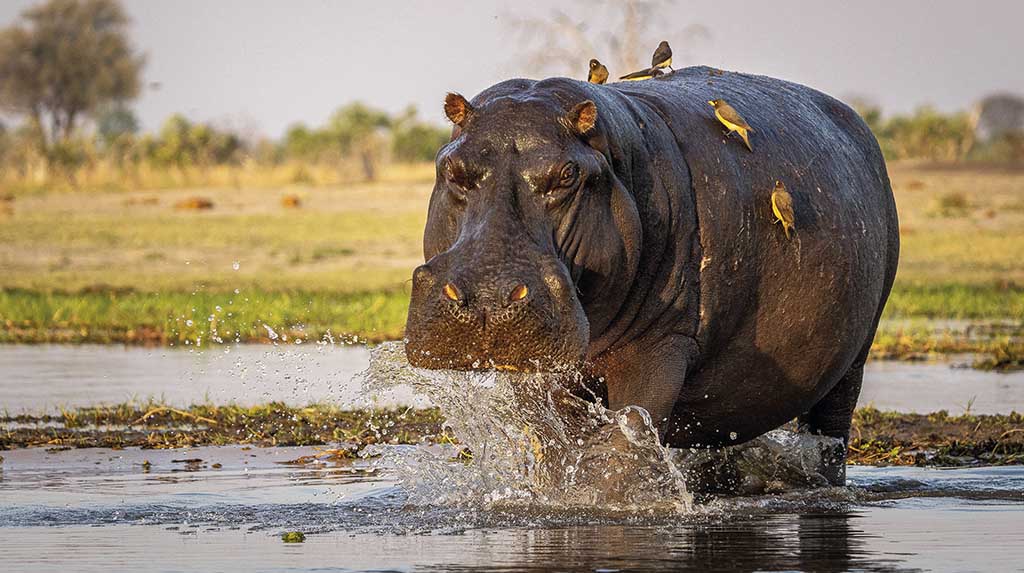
(65, 510)
(45, 376)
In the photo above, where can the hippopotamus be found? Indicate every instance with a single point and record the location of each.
(617, 230)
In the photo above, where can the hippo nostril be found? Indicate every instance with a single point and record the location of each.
(451, 292)
(518, 293)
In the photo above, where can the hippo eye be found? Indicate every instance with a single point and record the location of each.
(448, 170)
(570, 172)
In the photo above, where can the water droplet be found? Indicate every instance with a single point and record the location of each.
(188, 322)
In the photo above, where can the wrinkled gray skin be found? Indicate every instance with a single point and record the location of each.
(654, 263)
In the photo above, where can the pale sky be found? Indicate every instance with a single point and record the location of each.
(262, 66)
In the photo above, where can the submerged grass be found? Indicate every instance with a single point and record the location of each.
(891, 438)
(877, 438)
(158, 425)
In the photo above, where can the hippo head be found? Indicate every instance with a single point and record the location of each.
(531, 240)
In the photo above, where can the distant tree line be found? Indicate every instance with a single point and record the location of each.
(992, 131)
(68, 72)
(357, 138)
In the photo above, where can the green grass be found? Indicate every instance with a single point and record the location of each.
(126, 266)
(956, 301)
(189, 318)
(177, 318)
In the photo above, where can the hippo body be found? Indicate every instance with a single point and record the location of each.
(646, 244)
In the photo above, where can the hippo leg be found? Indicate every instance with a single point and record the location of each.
(832, 415)
(650, 376)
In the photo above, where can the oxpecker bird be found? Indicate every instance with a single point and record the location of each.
(732, 120)
(782, 206)
(642, 75)
(662, 56)
(598, 73)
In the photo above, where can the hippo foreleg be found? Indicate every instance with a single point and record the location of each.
(649, 375)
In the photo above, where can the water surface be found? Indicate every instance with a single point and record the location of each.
(41, 377)
(417, 508)
(100, 510)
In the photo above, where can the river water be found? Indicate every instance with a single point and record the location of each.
(41, 377)
(98, 510)
(414, 508)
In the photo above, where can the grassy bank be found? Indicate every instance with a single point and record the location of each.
(878, 438)
(176, 318)
(252, 315)
(143, 266)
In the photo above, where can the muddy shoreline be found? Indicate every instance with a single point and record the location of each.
(878, 438)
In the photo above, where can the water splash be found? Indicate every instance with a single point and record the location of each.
(535, 443)
(532, 442)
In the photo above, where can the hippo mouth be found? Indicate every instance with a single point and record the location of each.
(536, 324)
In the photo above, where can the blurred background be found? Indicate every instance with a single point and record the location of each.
(176, 173)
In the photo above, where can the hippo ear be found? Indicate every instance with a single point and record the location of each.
(582, 117)
(457, 108)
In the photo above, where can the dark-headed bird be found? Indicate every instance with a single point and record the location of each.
(598, 73)
(642, 75)
(732, 120)
(782, 206)
(662, 56)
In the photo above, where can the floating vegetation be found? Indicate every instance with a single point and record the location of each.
(154, 425)
(1004, 357)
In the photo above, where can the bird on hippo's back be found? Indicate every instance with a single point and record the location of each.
(598, 72)
(732, 120)
(662, 57)
(782, 207)
(643, 75)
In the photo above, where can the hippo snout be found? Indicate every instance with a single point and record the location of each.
(510, 318)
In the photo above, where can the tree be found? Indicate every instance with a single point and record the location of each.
(1000, 115)
(413, 140)
(116, 122)
(927, 134)
(626, 35)
(182, 143)
(357, 129)
(64, 61)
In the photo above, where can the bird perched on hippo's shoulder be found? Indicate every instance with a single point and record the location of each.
(598, 73)
(647, 74)
(662, 57)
